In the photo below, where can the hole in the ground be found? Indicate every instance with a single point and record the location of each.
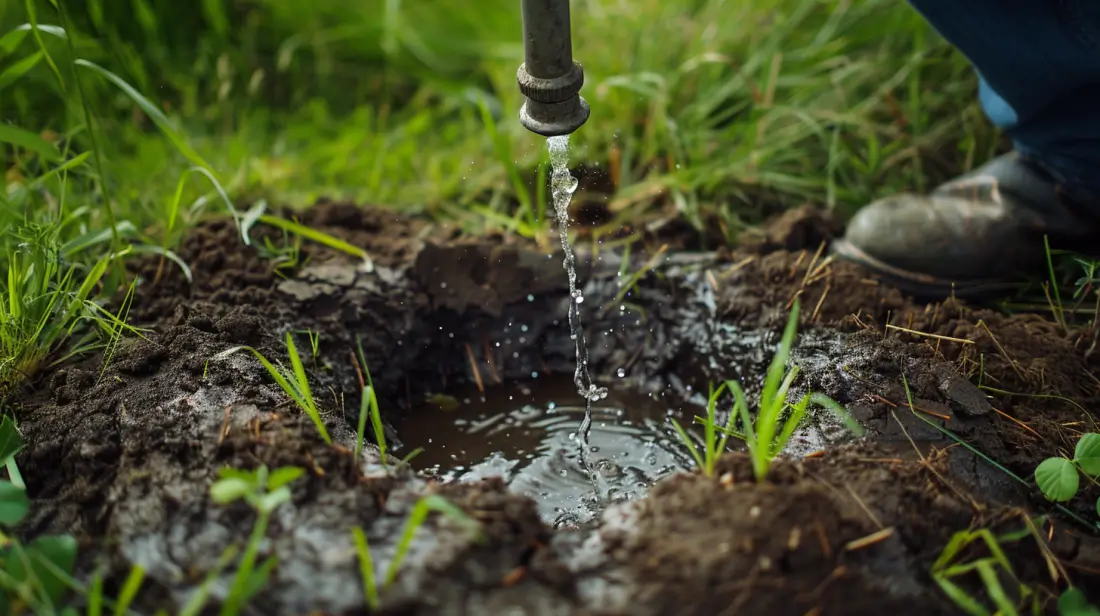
(526, 431)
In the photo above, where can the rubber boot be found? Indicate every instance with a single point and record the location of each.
(979, 235)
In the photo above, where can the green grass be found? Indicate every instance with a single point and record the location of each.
(947, 572)
(714, 436)
(800, 98)
(769, 430)
(264, 491)
(294, 382)
(122, 125)
(417, 518)
(368, 408)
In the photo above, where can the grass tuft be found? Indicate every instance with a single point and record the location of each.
(776, 418)
(295, 382)
(419, 515)
(713, 444)
(368, 408)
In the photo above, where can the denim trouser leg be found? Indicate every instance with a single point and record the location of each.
(1039, 63)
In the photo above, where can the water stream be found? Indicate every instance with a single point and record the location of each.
(562, 187)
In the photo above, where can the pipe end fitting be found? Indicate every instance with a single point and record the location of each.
(554, 106)
(554, 119)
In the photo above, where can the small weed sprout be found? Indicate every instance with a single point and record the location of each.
(319, 237)
(770, 434)
(713, 445)
(416, 519)
(264, 491)
(946, 569)
(368, 407)
(1059, 478)
(314, 338)
(294, 382)
(286, 258)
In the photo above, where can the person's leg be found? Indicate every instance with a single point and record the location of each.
(1039, 62)
(1039, 67)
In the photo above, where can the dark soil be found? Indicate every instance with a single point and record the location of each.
(123, 456)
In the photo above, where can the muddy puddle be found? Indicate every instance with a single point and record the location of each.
(123, 457)
(526, 433)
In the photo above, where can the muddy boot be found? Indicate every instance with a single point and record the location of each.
(975, 236)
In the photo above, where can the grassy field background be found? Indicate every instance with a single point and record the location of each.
(123, 122)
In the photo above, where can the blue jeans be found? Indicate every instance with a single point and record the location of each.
(1039, 67)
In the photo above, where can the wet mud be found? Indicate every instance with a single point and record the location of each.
(123, 455)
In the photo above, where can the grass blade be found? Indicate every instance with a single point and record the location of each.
(366, 567)
(417, 518)
(302, 381)
(303, 388)
(759, 457)
(361, 425)
(738, 402)
(771, 410)
(153, 112)
(32, 14)
(20, 68)
(129, 590)
(167, 254)
(290, 389)
(838, 410)
(27, 140)
(690, 444)
(376, 423)
(798, 411)
(320, 237)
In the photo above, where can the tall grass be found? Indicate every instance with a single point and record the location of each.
(708, 103)
(110, 111)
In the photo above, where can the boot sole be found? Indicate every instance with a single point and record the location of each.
(922, 286)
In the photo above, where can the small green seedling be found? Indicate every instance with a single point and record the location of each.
(319, 237)
(96, 600)
(713, 445)
(264, 492)
(295, 382)
(286, 258)
(767, 438)
(946, 570)
(419, 515)
(1059, 478)
(314, 343)
(368, 407)
(33, 577)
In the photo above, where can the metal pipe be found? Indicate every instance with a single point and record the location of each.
(549, 78)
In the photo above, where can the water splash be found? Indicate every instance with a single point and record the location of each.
(562, 187)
